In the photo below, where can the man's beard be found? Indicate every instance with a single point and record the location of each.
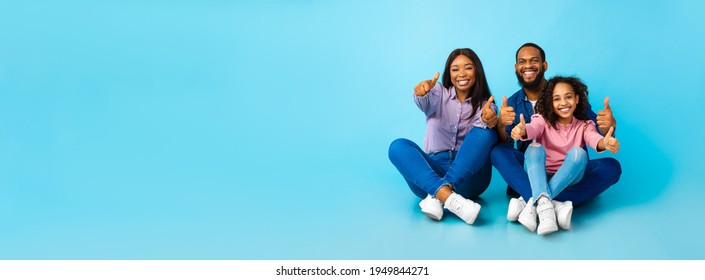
(530, 85)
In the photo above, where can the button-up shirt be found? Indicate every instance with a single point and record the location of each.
(447, 119)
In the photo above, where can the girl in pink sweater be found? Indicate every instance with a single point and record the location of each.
(557, 158)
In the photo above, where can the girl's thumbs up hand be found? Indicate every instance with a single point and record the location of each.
(519, 130)
(611, 143)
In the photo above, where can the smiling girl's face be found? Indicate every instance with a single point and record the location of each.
(564, 102)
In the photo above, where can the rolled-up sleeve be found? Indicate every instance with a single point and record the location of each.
(429, 102)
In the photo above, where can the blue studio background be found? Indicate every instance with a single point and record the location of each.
(259, 129)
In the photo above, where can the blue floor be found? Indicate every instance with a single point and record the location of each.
(218, 130)
(351, 206)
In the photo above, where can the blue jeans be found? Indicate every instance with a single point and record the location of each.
(468, 170)
(599, 175)
(570, 172)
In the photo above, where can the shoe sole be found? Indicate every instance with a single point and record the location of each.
(547, 230)
(514, 204)
(477, 213)
(568, 219)
(526, 224)
(431, 215)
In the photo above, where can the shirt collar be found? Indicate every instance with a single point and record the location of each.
(454, 96)
(562, 126)
(523, 95)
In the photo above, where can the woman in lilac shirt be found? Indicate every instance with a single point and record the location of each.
(454, 164)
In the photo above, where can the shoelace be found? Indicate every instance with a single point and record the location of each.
(459, 207)
(454, 204)
(545, 214)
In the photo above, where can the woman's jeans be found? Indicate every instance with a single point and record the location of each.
(468, 170)
(570, 172)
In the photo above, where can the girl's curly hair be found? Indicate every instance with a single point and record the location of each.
(544, 105)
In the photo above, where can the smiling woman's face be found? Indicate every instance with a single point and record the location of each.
(462, 74)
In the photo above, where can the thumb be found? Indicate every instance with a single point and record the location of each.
(489, 101)
(607, 103)
(504, 101)
(521, 119)
(609, 133)
(435, 78)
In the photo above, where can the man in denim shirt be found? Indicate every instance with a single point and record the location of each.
(600, 174)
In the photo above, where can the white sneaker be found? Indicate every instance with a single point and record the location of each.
(564, 213)
(432, 207)
(527, 217)
(464, 208)
(515, 207)
(547, 217)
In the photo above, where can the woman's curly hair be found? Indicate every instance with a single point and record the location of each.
(544, 105)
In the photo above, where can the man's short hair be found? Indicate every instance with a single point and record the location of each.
(543, 54)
